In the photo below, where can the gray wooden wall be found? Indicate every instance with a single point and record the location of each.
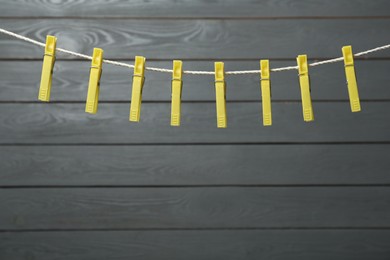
(80, 186)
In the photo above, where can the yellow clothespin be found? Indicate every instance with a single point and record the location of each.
(266, 92)
(94, 81)
(138, 83)
(304, 81)
(351, 79)
(47, 68)
(220, 92)
(177, 84)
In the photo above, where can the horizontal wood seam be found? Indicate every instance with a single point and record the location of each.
(119, 186)
(190, 101)
(200, 143)
(105, 17)
(379, 228)
(151, 59)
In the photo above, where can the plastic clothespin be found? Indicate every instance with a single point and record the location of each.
(47, 68)
(351, 78)
(304, 81)
(177, 84)
(138, 83)
(220, 92)
(94, 81)
(266, 92)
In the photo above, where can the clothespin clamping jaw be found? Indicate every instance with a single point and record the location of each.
(351, 78)
(220, 92)
(94, 81)
(266, 92)
(47, 68)
(304, 81)
(177, 84)
(138, 83)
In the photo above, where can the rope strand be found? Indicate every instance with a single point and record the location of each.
(238, 72)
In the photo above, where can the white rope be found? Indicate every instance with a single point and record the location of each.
(21, 37)
(238, 72)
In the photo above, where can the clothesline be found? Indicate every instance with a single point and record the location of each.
(195, 72)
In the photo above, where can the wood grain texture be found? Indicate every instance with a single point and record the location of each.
(195, 245)
(199, 39)
(68, 123)
(77, 186)
(195, 165)
(186, 8)
(70, 82)
(150, 208)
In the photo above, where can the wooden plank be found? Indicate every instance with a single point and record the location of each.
(191, 165)
(222, 207)
(199, 39)
(68, 123)
(70, 82)
(194, 245)
(171, 8)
